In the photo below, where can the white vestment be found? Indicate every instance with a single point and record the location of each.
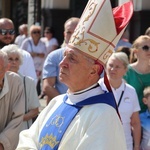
(95, 127)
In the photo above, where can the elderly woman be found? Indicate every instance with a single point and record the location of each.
(126, 98)
(31, 98)
(138, 74)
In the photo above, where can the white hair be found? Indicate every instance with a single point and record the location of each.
(13, 49)
(122, 57)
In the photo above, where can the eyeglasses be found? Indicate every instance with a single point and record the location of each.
(36, 32)
(145, 48)
(5, 31)
(47, 32)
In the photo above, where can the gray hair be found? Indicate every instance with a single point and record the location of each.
(13, 49)
(122, 57)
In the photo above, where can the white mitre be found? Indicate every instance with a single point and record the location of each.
(100, 28)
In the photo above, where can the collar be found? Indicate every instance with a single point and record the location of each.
(87, 89)
(121, 88)
(84, 94)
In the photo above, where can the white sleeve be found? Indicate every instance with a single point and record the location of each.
(27, 68)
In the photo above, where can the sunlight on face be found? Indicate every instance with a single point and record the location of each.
(14, 62)
(74, 69)
(115, 68)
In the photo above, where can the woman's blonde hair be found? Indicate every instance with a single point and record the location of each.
(122, 57)
(139, 40)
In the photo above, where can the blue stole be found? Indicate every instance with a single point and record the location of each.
(59, 121)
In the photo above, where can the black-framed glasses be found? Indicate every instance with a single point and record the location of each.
(36, 32)
(145, 48)
(6, 31)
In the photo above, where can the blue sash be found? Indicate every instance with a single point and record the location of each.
(59, 121)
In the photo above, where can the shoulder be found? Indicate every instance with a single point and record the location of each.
(54, 40)
(13, 77)
(12, 74)
(29, 79)
(99, 112)
(25, 53)
(130, 90)
(56, 53)
(143, 115)
(28, 39)
(130, 87)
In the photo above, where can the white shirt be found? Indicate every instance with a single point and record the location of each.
(27, 68)
(128, 105)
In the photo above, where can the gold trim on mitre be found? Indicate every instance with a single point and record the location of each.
(96, 34)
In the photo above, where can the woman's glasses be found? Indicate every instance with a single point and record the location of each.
(145, 48)
(6, 31)
(36, 32)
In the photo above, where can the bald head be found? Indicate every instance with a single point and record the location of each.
(69, 28)
(6, 23)
(7, 32)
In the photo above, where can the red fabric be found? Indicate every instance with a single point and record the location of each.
(122, 15)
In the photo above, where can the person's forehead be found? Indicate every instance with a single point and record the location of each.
(13, 54)
(146, 41)
(35, 29)
(70, 26)
(6, 25)
(73, 51)
(112, 59)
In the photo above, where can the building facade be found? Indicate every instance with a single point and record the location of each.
(56, 12)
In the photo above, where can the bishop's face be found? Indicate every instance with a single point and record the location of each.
(75, 70)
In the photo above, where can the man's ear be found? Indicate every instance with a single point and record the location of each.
(95, 69)
(144, 100)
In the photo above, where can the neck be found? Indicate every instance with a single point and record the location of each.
(36, 41)
(81, 90)
(2, 44)
(142, 67)
(115, 83)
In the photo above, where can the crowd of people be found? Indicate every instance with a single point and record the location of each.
(93, 102)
